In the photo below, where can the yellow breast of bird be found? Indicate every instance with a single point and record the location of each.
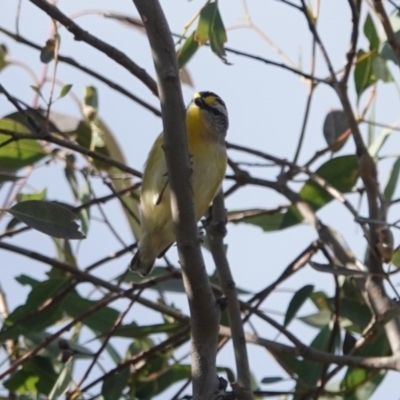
(208, 160)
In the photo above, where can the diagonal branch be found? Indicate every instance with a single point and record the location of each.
(72, 146)
(86, 277)
(203, 308)
(355, 6)
(73, 63)
(216, 231)
(391, 36)
(110, 51)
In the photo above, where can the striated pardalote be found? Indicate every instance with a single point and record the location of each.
(206, 126)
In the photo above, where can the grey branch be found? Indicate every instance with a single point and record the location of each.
(390, 362)
(110, 51)
(203, 308)
(215, 234)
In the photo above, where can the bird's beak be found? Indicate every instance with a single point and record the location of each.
(198, 100)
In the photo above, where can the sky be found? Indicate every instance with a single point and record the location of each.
(266, 106)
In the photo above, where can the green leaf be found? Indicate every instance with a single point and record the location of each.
(348, 343)
(386, 50)
(18, 153)
(90, 103)
(49, 218)
(321, 301)
(64, 254)
(378, 143)
(187, 51)
(341, 172)
(100, 321)
(271, 379)
(157, 382)
(206, 20)
(392, 183)
(396, 257)
(370, 33)
(211, 28)
(62, 383)
(32, 196)
(37, 375)
(310, 371)
(112, 352)
(218, 36)
(336, 129)
(297, 301)
(135, 331)
(381, 70)
(361, 383)
(56, 347)
(268, 221)
(364, 75)
(84, 213)
(37, 114)
(70, 174)
(114, 385)
(359, 314)
(25, 319)
(4, 57)
(288, 362)
(38, 91)
(139, 345)
(317, 320)
(370, 67)
(22, 382)
(14, 222)
(65, 90)
(26, 280)
(111, 149)
(48, 51)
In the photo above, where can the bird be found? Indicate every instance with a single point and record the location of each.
(206, 127)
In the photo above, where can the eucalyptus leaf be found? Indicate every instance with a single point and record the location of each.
(340, 172)
(392, 182)
(187, 51)
(47, 217)
(336, 129)
(296, 302)
(18, 153)
(114, 385)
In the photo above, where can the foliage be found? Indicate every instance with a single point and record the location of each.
(75, 333)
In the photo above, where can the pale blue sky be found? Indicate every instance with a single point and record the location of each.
(266, 107)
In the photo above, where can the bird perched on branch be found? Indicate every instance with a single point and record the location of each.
(206, 126)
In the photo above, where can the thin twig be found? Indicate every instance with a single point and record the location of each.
(86, 277)
(203, 310)
(216, 230)
(112, 52)
(73, 63)
(73, 146)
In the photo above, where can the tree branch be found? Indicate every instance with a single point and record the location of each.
(203, 308)
(86, 277)
(72, 146)
(216, 231)
(391, 36)
(355, 7)
(98, 44)
(391, 362)
(70, 61)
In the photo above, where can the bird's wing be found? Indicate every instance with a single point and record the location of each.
(155, 178)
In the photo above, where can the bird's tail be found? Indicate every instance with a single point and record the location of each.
(141, 266)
